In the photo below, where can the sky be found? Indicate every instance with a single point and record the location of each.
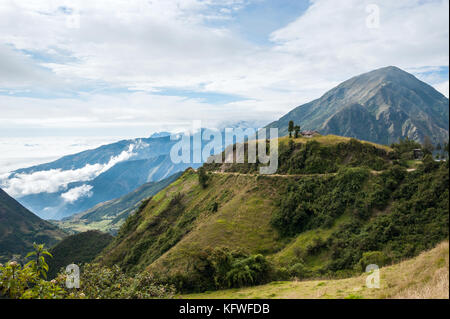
(94, 71)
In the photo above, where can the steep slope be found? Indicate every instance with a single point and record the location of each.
(423, 277)
(307, 221)
(109, 216)
(75, 183)
(19, 228)
(77, 249)
(379, 106)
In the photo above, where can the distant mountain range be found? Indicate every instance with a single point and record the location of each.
(77, 182)
(380, 106)
(19, 228)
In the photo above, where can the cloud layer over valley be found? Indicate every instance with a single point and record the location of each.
(55, 180)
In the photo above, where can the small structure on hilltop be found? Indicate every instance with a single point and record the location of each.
(309, 133)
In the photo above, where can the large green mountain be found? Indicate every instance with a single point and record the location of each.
(380, 106)
(109, 216)
(335, 204)
(19, 228)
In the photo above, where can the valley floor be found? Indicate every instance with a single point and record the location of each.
(425, 276)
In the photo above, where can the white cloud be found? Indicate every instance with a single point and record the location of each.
(150, 111)
(77, 192)
(443, 88)
(17, 70)
(54, 180)
(20, 152)
(158, 45)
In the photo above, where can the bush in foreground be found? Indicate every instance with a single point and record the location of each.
(96, 282)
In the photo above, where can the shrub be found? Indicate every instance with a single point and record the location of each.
(404, 148)
(372, 257)
(316, 246)
(110, 283)
(26, 282)
(299, 270)
(221, 268)
(247, 271)
(202, 177)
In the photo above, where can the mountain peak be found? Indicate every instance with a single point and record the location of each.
(389, 69)
(391, 73)
(392, 104)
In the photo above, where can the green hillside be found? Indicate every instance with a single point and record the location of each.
(110, 215)
(19, 228)
(334, 205)
(423, 277)
(78, 249)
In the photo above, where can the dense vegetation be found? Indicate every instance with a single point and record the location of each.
(220, 268)
(29, 281)
(417, 219)
(393, 215)
(213, 230)
(423, 277)
(77, 249)
(316, 202)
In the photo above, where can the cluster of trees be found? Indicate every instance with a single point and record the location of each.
(316, 202)
(221, 268)
(404, 149)
(418, 216)
(293, 128)
(418, 220)
(203, 177)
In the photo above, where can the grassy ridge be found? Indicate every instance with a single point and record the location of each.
(318, 155)
(159, 227)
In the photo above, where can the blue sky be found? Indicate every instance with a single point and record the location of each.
(129, 68)
(258, 19)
